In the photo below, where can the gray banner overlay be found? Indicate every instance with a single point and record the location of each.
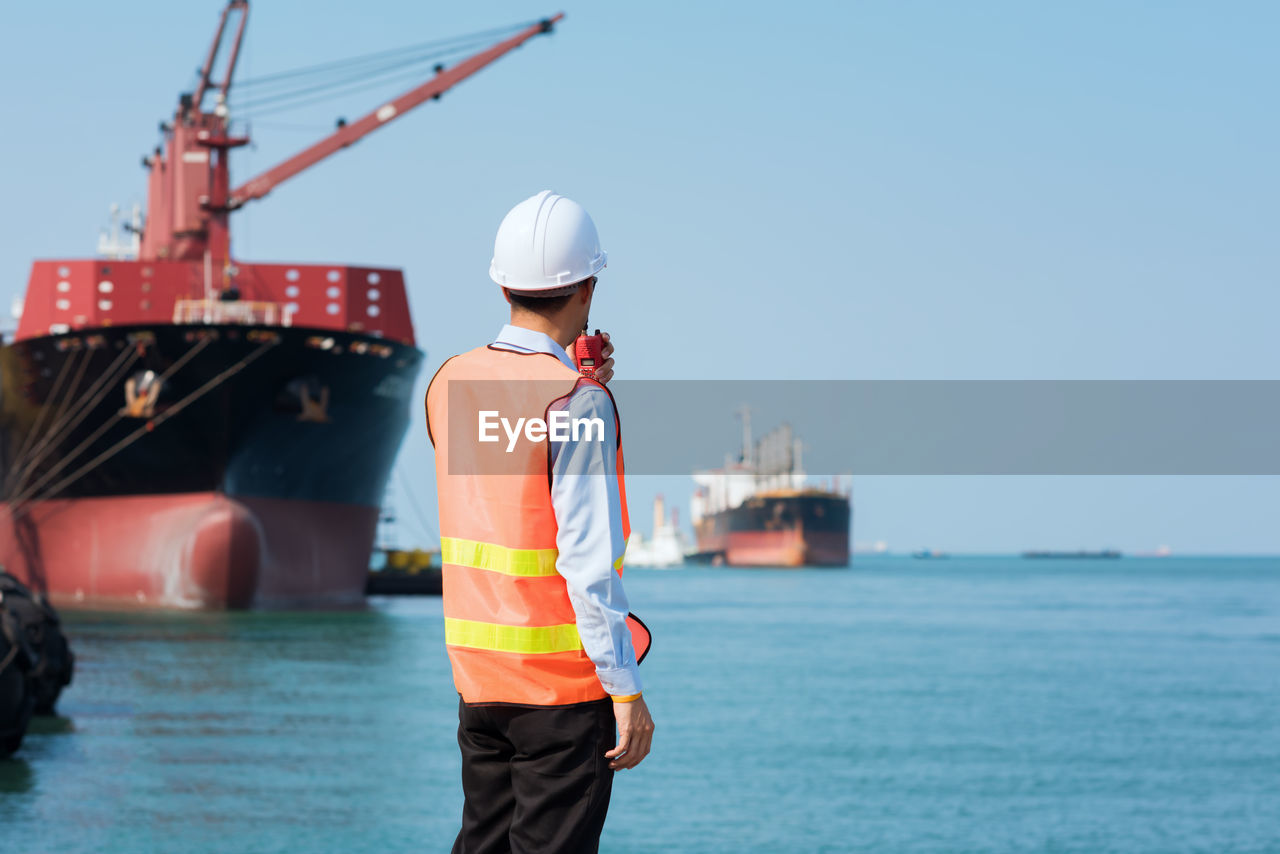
(1073, 427)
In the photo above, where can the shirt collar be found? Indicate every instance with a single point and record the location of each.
(531, 341)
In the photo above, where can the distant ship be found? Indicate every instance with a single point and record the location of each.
(666, 548)
(757, 511)
(1104, 554)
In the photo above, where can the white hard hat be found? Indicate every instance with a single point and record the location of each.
(545, 243)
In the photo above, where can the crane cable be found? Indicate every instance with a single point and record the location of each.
(414, 75)
(337, 88)
(106, 425)
(292, 89)
(151, 424)
(364, 69)
(435, 45)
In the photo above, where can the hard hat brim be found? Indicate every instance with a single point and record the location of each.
(598, 264)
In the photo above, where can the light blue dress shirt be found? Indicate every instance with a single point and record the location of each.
(588, 507)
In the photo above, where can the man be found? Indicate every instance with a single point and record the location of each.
(533, 527)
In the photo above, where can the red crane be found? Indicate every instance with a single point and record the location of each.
(189, 195)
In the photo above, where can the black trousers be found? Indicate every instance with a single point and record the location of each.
(535, 778)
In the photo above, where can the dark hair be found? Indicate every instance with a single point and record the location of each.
(540, 305)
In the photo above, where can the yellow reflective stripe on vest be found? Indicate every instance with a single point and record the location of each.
(531, 563)
(530, 640)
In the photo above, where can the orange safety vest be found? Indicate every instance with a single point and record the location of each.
(510, 628)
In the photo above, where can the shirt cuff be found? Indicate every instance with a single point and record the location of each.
(620, 681)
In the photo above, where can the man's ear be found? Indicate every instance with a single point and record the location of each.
(506, 295)
(586, 289)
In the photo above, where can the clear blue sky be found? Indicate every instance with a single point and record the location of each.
(832, 190)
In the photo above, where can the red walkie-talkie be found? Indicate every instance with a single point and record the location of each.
(588, 351)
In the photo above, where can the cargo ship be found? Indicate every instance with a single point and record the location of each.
(183, 429)
(757, 511)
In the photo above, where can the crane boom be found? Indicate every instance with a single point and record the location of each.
(207, 69)
(189, 195)
(259, 186)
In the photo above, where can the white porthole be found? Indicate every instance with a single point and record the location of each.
(63, 272)
(147, 272)
(105, 287)
(63, 304)
(373, 294)
(334, 292)
(104, 304)
(333, 308)
(374, 278)
(292, 275)
(64, 286)
(59, 329)
(333, 276)
(291, 291)
(373, 311)
(291, 307)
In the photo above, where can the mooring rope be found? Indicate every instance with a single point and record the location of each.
(150, 425)
(102, 428)
(63, 428)
(44, 411)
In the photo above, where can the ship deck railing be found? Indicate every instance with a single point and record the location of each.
(244, 312)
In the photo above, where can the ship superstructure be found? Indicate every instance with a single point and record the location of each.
(181, 428)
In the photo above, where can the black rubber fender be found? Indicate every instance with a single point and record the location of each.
(17, 701)
(45, 655)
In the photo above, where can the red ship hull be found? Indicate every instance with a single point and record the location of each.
(195, 551)
(807, 528)
(786, 549)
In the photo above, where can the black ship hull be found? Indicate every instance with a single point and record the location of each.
(198, 466)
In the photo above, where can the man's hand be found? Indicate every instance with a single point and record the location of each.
(635, 734)
(605, 373)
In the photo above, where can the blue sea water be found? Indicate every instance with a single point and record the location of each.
(961, 705)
